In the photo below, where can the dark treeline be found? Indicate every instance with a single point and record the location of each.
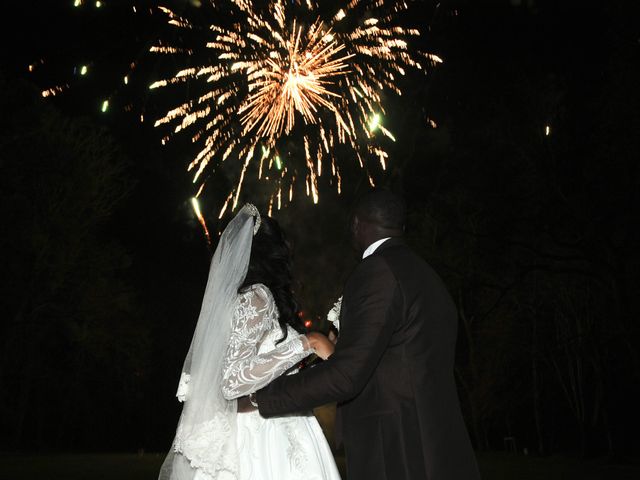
(103, 268)
(530, 216)
(524, 197)
(66, 339)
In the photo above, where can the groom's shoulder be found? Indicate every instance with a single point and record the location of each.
(380, 263)
(373, 267)
(396, 248)
(400, 256)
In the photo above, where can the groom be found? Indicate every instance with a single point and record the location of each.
(391, 373)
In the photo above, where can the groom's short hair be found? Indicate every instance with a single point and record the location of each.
(383, 208)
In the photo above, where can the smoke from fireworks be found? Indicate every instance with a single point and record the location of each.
(290, 71)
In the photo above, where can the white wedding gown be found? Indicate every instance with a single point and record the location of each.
(283, 448)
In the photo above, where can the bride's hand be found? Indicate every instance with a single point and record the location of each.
(321, 345)
(333, 337)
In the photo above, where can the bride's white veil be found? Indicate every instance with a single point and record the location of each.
(205, 439)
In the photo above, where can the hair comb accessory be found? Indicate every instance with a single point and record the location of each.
(253, 210)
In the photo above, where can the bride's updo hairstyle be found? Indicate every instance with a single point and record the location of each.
(270, 264)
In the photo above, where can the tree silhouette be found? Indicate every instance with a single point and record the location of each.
(70, 330)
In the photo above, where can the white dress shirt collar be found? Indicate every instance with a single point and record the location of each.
(373, 247)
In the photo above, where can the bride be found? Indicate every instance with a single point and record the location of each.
(247, 334)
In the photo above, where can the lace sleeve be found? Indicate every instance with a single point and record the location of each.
(245, 370)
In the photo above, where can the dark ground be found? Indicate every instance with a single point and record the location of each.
(493, 466)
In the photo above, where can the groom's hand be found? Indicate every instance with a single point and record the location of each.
(244, 405)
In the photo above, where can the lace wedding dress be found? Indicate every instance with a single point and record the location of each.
(284, 448)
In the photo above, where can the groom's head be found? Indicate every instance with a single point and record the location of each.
(378, 214)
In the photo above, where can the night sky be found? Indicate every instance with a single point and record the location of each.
(524, 197)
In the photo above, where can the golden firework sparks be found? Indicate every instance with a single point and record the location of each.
(298, 82)
(277, 88)
(291, 71)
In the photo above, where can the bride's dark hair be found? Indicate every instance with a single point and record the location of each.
(270, 264)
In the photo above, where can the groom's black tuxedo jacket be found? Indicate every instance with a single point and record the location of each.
(391, 374)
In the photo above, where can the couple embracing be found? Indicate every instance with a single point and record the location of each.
(247, 412)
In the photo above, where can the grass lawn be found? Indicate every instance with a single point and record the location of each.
(79, 467)
(501, 466)
(494, 466)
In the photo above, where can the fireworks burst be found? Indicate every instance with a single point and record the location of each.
(291, 71)
(279, 89)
